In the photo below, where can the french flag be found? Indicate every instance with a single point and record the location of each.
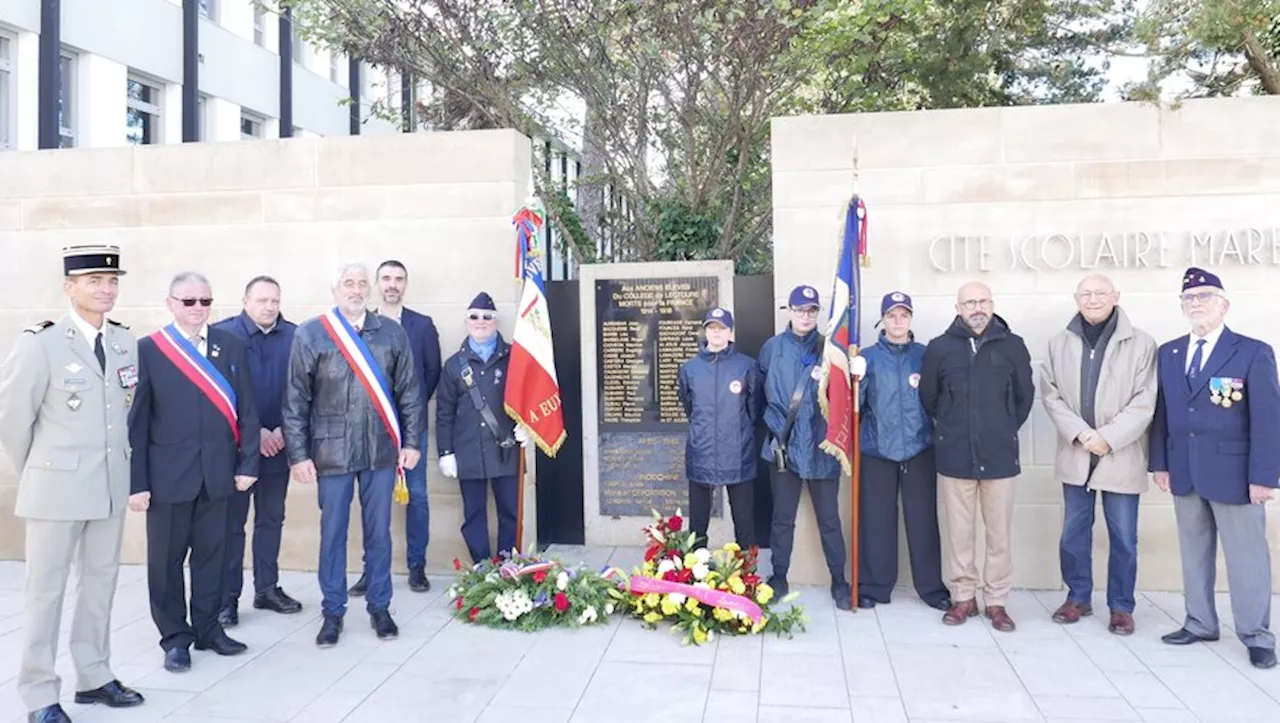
(836, 390)
(533, 392)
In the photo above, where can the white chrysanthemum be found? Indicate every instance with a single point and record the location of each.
(700, 571)
(562, 580)
(589, 615)
(703, 555)
(676, 598)
(665, 566)
(608, 608)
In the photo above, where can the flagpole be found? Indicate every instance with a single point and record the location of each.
(855, 491)
(520, 502)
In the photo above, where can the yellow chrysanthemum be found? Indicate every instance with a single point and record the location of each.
(699, 635)
(649, 568)
(763, 621)
(669, 607)
(722, 615)
(732, 547)
(764, 593)
(652, 599)
(737, 585)
(691, 605)
(652, 616)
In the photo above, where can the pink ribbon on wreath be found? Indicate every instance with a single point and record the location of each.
(641, 584)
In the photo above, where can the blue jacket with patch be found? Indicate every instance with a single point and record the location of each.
(787, 361)
(720, 391)
(894, 424)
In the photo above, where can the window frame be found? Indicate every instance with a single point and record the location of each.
(254, 118)
(68, 86)
(259, 27)
(208, 9)
(153, 108)
(8, 89)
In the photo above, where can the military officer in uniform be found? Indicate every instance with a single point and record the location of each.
(65, 392)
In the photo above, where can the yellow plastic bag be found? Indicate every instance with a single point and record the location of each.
(400, 495)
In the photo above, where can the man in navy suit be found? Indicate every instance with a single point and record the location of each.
(194, 432)
(393, 280)
(1215, 444)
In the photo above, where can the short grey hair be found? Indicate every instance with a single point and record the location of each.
(185, 277)
(346, 268)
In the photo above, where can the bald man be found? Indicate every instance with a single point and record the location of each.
(976, 384)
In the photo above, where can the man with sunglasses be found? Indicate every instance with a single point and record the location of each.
(975, 382)
(1215, 444)
(195, 436)
(478, 442)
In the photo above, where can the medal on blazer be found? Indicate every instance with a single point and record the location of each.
(1226, 391)
(73, 402)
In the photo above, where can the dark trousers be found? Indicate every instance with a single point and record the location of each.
(417, 516)
(880, 483)
(335, 493)
(741, 503)
(825, 493)
(1075, 549)
(198, 527)
(268, 495)
(475, 514)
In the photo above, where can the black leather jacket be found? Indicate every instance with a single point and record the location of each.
(329, 417)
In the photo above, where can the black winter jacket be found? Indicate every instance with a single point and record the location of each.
(722, 397)
(979, 392)
(460, 427)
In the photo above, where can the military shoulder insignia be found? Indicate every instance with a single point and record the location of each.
(113, 322)
(37, 328)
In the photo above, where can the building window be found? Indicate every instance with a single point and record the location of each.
(209, 9)
(333, 66)
(295, 43)
(6, 92)
(66, 102)
(259, 27)
(143, 120)
(251, 127)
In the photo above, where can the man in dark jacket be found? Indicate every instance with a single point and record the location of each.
(393, 280)
(897, 455)
(477, 442)
(719, 389)
(267, 337)
(791, 366)
(352, 411)
(976, 385)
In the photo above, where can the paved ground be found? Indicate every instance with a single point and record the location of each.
(898, 663)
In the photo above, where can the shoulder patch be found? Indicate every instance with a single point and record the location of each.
(37, 328)
(113, 322)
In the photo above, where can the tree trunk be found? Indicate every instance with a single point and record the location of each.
(1262, 63)
(591, 185)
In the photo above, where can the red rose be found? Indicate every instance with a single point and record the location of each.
(675, 523)
(475, 613)
(561, 603)
(540, 576)
(751, 580)
(459, 602)
(652, 552)
(497, 561)
(457, 564)
(685, 576)
(670, 576)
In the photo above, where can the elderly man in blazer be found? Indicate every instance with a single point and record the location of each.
(1215, 444)
(1099, 388)
(65, 392)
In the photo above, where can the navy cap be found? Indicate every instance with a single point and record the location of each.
(893, 300)
(802, 296)
(483, 301)
(719, 316)
(1199, 277)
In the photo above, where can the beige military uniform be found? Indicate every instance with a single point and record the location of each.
(64, 424)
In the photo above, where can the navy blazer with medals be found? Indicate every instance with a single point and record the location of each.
(180, 441)
(1212, 449)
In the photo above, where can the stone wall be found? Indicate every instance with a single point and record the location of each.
(295, 209)
(1029, 200)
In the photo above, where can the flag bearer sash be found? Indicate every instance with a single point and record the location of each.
(366, 369)
(201, 372)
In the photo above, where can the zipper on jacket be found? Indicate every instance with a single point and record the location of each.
(973, 422)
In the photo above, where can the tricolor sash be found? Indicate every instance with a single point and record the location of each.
(201, 372)
(365, 367)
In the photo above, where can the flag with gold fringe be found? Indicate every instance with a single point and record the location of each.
(837, 391)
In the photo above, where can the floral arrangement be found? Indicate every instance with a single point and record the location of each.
(705, 592)
(528, 593)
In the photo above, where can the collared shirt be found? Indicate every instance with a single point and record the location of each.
(268, 329)
(86, 329)
(358, 325)
(203, 336)
(1210, 341)
(396, 318)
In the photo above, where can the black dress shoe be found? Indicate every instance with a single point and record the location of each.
(1182, 636)
(943, 604)
(418, 581)
(113, 694)
(780, 587)
(361, 585)
(177, 660)
(866, 602)
(50, 714)
(842, 594)
(383, 625)
(229, 616)
(1262, 657)
(330, 631)
(276, 600)
(222, 644)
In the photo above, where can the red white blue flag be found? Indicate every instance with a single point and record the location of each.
(533, 392)
(836, 391)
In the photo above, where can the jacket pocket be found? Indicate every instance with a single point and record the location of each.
(328, 427)
(61, 460)
(1233, 448)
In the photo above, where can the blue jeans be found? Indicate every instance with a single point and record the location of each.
(1076, 546)
(335, 493)
(417, 516)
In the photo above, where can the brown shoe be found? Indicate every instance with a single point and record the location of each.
(1121, 623)
(960, 612)
(1000, 619)
(1071, 612)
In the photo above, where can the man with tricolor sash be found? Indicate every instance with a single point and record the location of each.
(352, 413)
(195, 435)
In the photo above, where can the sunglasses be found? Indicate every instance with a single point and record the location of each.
(477, 316)
(193, 302)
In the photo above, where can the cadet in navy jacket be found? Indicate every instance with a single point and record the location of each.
(720, 391)
(897, 455)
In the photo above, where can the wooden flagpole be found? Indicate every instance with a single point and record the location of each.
(855, 491)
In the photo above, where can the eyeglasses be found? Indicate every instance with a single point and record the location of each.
(805, 310)
(477, 316)
(972, 304)
(1203, 297)
(193, 302)
(1088, 295)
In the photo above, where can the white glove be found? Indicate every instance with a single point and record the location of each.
(522, 436)
(858, 366)
(449, 466)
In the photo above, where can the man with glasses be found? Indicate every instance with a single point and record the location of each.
(1099, 388)
(477, 441)
(975, 382)
(195, 436)
(1215, 444)
(791, 365)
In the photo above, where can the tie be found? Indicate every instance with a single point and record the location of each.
(1197, 360)
(195, 341)
(99, 352)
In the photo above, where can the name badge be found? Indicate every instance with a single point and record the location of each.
(129, 376)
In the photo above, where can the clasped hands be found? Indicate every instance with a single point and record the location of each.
(1094, 443)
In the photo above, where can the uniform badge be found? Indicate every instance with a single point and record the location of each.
(73, 367)
(128, 399)
(810, 293)
(73, 402)
(816, 373)
(735, 386)
(214, 351)
(129, 376)
(497, 373)
(1226, 391)
(914, 381)
(115, 347)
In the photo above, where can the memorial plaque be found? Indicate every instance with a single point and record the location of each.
(646, 329)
